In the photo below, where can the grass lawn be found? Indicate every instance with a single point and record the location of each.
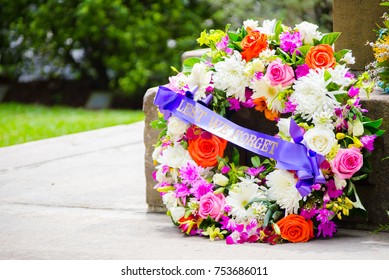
(21, 123)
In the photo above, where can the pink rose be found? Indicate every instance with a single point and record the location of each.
(211, 205)
(278, 73)
(347, 162)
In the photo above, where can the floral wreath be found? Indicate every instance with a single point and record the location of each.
(296, 79)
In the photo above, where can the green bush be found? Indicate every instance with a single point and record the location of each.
(126, 44)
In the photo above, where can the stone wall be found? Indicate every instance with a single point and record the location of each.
(356, 20)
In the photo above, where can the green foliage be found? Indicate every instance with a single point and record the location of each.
(22, 123)
(125, 43)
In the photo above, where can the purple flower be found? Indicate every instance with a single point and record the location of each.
(200, 187)
(248, 103)
(225, 169)
(302, 70)
(254, 171)
(290, 41)
(353, 91)
(235, 105)
(332, 191)
(182, 191)
(227, 223)
(290, 107)
(189, 173)
(368, 142)
(308, 213)
(223, 45)
(326, 229)
(324, 215)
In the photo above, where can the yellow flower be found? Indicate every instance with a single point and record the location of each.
(214, 233)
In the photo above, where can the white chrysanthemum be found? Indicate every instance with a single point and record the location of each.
(282, 189)
(256, 65)
(241, 194)
(348, 58)
(263, 88)
(320, 140)
(338, 75)
(311, 95)
(309, 32)
(164, 177)
(230, 76)
(323, 119)
(201, 77)
(175, 156)
(252, 24)
(268, 27)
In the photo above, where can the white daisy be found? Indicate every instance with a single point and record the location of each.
(263, 88)
(282, 189)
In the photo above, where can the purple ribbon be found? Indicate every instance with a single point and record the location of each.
(289, 156)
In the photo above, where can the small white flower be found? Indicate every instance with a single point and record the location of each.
(201, 77)
(170, 200)
(268, 27)
(178, 82)
(282, 189)
(309, 32)
(176, 126)
(177, 213)
(266, 56)
(348, 58)
(355, 128)
(339, 183)
(323, 119)
(283, 126)
(220, 179)
(252, 24)
(256, 65)
(320, 140)
(338, 75)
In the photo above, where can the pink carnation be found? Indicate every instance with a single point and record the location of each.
(347, 162)
(211, 205)
(279, 73)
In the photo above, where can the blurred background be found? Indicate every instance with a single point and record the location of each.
(61, 52)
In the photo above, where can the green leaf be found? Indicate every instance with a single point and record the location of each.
(235, 156)
(340, 54)
(256, 161)
(158, 124)
(304, 49)
(385, 4)
(278, 28)
(330, 38)
(357, 203)
(359, 177)
(187, 65)
(375, 124)
(268, 216)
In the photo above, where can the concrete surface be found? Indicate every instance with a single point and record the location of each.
(82, 197)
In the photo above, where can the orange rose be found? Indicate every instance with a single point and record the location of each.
(204, 150)
(253, 44)
(261, 106)
(320, 56)
(295, 228)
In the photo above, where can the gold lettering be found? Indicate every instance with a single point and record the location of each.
(265, 146)
(251, 140)
(258, 143)
(225, 129)
(215, 123)
(200, 114)
(181, 107)
(274, 145)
